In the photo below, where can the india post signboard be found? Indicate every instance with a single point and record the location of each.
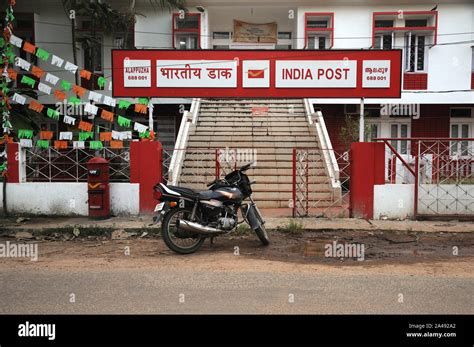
(257, 73)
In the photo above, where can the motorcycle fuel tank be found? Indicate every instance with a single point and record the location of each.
(228, 194)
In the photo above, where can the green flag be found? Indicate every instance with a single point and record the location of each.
(85, 135)
(42, 54)
(124, 122)
(52, 113)
(101, 81)
(25, 133)
(74, 100)
(95, 145)
(42, 144)
(143, 101)
(28, 81)
(66, 85)
(123, 104)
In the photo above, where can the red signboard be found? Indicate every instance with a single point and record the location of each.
(257, 73)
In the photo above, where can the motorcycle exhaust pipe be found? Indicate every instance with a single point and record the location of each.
(197, 228)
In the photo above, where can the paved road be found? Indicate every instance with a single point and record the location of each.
(157, 290)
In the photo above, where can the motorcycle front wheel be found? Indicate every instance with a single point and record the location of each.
(177, 240)
(262, 235)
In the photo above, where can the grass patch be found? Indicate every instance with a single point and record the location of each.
(243, 229)
(294, 226)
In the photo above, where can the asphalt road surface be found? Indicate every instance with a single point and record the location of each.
(96, 277)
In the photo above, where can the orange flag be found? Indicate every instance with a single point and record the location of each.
(59, 95)
(60, 144)
(28, 47)
(36, 106)
(107, 115)
(116, 144)
(140, 108)
(46, 135)
(12, 74)
(37, 72)
(106, 136)
(85, 126)
(85, 74)
(79, 90)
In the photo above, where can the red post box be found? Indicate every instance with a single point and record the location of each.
(98, 188)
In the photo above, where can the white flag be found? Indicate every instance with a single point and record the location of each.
(70, 67)
(69, 120)
(78, 144)
(140, 127)
(126, 135)
(22, 63)
(27, 143)
(116, 135)
(109, 101)
(65, 135)
(19, 98)
(95, 96)
(57, 61)
(44, 88)
(16, 41)
(51, 78)
(92, 109)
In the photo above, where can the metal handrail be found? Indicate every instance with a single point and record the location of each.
(328, 155)
(189, 118)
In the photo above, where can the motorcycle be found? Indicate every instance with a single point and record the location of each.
(189, 216)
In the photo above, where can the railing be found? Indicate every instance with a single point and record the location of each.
(441, 170)
(70, 165)
(189, 118)
(200, 166)
(314, 192)
(317, 119)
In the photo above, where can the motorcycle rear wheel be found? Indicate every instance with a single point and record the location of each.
(169, 230)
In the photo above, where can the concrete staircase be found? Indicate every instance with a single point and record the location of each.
(271, 135)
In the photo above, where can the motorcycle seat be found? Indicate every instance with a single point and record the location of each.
(186, 192)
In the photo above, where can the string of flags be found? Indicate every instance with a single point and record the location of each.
(7, 57)
(115, 138)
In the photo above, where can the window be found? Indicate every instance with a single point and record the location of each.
(220, 47)
(283, 47)
(186, 41)
(186, 31)
(317, 42)
(460, 112)
(372, 132)
(319, 30)
(311, 23)
(283, 35)
(414, 52)
(416, 23)
(460, 130)
(384, 23)
(187, 22)
(221, 35)
(400, 130)
(383, 41)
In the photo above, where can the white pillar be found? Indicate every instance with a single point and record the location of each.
(361, 121)
(150, 115)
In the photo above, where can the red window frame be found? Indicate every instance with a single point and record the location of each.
(433, 28)
(177, 30)
(321, 30)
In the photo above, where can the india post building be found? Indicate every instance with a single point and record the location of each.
(436, 74)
